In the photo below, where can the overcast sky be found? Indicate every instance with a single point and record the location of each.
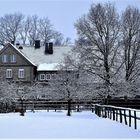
(62, 13)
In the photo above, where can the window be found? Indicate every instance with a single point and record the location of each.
(9, 73)
(48, 76)
(42, 76)
(21, 73)
(4, 58)
(13, 58)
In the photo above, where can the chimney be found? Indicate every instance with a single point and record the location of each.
(37, 44)
(46, 48)
(49, 48)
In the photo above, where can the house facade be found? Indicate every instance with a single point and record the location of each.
(14, 66)
(29, 64)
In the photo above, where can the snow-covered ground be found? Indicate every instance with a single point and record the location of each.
(43, 124)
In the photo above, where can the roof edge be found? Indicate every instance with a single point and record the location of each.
(21, 53)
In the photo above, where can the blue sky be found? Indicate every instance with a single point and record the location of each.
(62, 13)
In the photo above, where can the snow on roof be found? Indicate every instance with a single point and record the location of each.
(37, 56)
(48, 67)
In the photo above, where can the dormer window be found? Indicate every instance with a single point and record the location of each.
(4, 58)
(13, 58)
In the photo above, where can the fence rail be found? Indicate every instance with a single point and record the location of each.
(39, 104)
(127, 103)
(118, 114)
(53, 105)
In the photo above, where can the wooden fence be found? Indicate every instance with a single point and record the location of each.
(118, 114)
(44, 104)
(52, 105)
(127, 103)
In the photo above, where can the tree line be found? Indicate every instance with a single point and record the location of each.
(23, 29)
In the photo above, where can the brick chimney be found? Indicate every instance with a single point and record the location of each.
(49, 48)
(46, 48)
(37, 44)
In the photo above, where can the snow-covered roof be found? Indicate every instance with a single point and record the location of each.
(48, 67)
(37, 56)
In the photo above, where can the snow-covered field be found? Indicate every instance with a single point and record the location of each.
(43, 124)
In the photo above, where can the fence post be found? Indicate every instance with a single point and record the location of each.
(96, 109)
(92, 108)
(99, 111)
(129, 118)
(120, 115)
(116, 114)
(125, 117)
(110, 113)
(105, 112)
(113, 113)
(135, 120)
(78, 108)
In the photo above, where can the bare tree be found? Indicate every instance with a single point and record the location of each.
(67, 41)
(46, 31)
(33, 30)
(10, 24)
(100, 28)
(24, 31)
(58, 39)
(131, 42)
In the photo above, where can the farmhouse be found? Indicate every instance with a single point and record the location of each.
(31, 63)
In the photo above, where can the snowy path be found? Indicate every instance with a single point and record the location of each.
(43, 124)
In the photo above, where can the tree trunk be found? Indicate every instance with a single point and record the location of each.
(107, 75)
(69, 107)
(22, 109)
